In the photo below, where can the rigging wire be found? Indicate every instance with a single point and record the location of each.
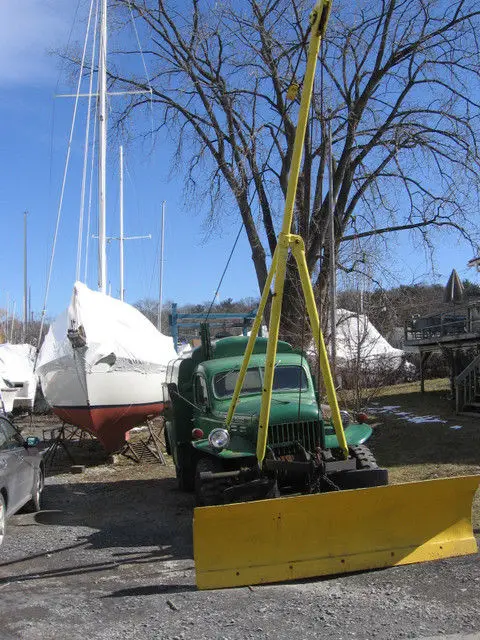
(60, 74)
(90, 190)
(139, 214)
(64, 179)
(52, 134)
(291, 97)
(224, 271)
(86, 145)
(255, 190)
(147, 77)
(144, 66)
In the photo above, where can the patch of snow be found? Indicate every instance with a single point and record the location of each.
(425, 419)
(456, 427)
(406, 415)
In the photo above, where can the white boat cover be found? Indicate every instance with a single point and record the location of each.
(16, 362)
(110, 326)
(7, 397)
(358, 338)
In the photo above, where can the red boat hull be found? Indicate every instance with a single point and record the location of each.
(109, 424)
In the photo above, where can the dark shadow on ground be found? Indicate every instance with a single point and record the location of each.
(134, 521)
(152, 590)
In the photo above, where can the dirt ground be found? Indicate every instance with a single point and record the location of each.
(110, 556)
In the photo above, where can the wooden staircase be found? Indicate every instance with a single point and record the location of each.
(467, 389)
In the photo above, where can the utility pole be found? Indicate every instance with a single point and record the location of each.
(25, 277)
(333, 265)
(160, 292)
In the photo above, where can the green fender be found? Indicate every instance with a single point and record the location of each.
(355, 434)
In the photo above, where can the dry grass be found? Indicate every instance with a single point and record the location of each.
(430, 450)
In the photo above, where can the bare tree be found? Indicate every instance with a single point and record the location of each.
(398, 80)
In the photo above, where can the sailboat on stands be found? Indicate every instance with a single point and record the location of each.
(102, 363)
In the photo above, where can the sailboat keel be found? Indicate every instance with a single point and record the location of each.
(109, 423)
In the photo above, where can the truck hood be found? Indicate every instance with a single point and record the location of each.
(285, 407)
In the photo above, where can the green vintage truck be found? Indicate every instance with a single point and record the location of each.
(220, 464)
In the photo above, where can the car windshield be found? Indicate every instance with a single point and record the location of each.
(286, 378)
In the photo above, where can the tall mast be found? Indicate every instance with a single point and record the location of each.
(25, 278)
(12, 324)
(122, 289)
(102, 149)
(160, 292)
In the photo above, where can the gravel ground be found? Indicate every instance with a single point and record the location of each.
(111, 557)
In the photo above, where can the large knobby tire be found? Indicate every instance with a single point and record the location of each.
(3, 518)
(364, 457)
(35, 503)
(209, 493)
(168, 448)
(185, 468)
(185, 477)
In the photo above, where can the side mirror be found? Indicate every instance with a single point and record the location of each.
(32, 441)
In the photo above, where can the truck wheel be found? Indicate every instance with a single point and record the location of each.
(185, 478)
(168, 448)
(365, 458)
(208, 493)
(185, 467)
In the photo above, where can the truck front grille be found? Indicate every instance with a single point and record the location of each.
(306, 433)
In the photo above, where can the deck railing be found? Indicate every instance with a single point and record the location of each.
(467, 386)
(458, 321)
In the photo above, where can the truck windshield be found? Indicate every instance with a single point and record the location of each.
(285, 378)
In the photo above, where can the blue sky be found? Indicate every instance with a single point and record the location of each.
(34, 131)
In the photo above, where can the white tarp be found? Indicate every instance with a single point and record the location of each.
(110, 326)
(359, 343)
(358, 340)
(16, 362)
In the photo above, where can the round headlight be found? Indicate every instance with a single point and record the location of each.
(219, 438)
(346, 418)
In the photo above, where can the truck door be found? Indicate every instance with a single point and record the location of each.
(202, 417)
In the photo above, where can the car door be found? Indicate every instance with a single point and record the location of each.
(17, 469)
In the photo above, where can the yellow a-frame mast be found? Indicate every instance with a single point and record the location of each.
(286, 242)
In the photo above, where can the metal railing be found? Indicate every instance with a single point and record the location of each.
(467, 385)
(455, 322)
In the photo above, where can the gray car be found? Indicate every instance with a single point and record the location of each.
(21, 472)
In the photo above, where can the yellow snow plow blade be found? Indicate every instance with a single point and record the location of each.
(331, 533)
